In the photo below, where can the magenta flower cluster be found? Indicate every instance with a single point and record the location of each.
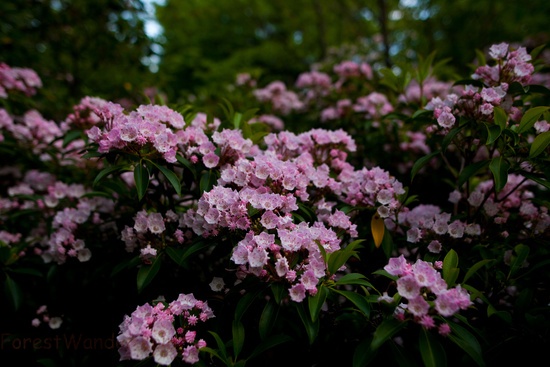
(165, 331)
(426, 293)
(23, 80)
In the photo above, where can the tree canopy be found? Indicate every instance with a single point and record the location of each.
(78, 47)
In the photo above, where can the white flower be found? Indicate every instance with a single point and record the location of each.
(164, 354)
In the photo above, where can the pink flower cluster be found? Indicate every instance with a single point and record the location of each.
(426, 292)
(259, 196)
(514, 197)
(151, 232)
(510, 66)
(282, 100)
(147, 130)
(43, 316)
(18, 79)
(64, 208)
(478, 103)
(164, 331)
(429, 223)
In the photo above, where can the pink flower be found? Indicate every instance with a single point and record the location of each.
(140, 348)
(165, 354)
(297, 292)
(163, 331)
(408, 287)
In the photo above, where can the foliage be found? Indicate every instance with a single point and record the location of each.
(162, 233)
(79, 48)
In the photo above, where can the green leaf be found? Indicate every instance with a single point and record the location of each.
(387, 329)
(312, 327)
(363, 354)
(107, 171)
(467, 342)
(316, 302)
(539, 144)
(421, 162)
(475, 268)
(244, 303)
(536, 179)
(171, 176)
(355, 279)
(267, 319)
(185, 162)
(269, 343)
(27, 271)
(71, 136)
(227, 109)
(480, 57)
(431, 350)
(450, 136)
(340, 257)
(208, 180)
(471, 170)
(493, 132)
(520, 255)
(221, 348)
(501, 117)
(13, 292)
(530, 117)
(147, 273)
(141, 178)
(238, 337)
(450, 267)
(361, 302)
(126, 264)
(278, 291)
(499, 167)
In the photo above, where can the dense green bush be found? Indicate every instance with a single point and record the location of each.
(357, 217)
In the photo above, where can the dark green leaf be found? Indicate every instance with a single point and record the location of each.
(221, 348)
(471, 170)
(421, 162)
(450, 267)
(363, 354)
(475, 268)
(208, 180)
(520, 255)
(501, 117)
(13, 292)
(387, 329)
(431, 350)
(71, 136)
(267, 319)
(269, 343)
(340, 257)
(171, 176)
(107, 171)
(493, 132)
(499, 167)
(467, 342)
(244, 303)
(358, 300)
(312, 328)
(141, 178)
(354, 278)
(238, 337)
(539, 144)
(185, 162)
(530, 117)
(147, 273)
(316, 302)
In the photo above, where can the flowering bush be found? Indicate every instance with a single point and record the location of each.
(337, 245)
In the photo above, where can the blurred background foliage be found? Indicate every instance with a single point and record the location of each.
(102, 48)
